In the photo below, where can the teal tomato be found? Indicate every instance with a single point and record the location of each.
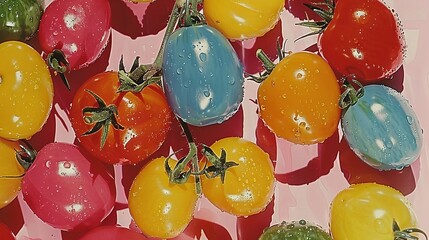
(382, 128)
(19, 19)
(202, 75)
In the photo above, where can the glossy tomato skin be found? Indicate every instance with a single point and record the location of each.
(9, 187)
(239, 20)
(202, 75)
(299, 100)
(382, 129)
(295, 230)
(161, 209)
(248, 187)
(66, 190)
(112, 233)
(351, 43)
(145, 116)
(26, 91)
(19, 19)
(80, 29)
(6, 233)
(367, 210)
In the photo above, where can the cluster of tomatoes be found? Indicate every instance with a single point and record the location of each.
(123, 117)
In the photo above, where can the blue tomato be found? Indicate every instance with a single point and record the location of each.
(382, 128)
(202, 75)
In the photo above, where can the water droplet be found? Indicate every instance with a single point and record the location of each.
(203, 57)
(179, 71)
(66, 164)
(206, 93)
(48, 164)
(284, 95)
(200, 69)
(410, 119)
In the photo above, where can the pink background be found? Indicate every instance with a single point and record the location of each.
(308, 176)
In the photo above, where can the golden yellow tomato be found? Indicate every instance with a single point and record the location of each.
(242, 19)
(10, 169)
(26, 91)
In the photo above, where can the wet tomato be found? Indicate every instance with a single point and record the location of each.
(248, 187)
(66, 190)
(112, 233)
(299, 99)
(133, 124)
(26, 91)
(295, 230)
(160, 208)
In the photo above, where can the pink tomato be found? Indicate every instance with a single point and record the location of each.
(112, 233)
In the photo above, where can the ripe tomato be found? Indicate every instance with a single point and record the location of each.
(295, 230)
(299, 99)
(26, 91)
(367, 211)
(19, 19)
(351, 44)
(10, 167)
(80, 29)
(249, 186)
(112, 233)
(145, 117)
(6, 233)
(66, 190)
(242, 19)
(382, 128)
(161, 209)
(196, 90)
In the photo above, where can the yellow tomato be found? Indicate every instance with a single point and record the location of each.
(249, 186)
(242, 19)
(26, 91)
(367, 211)
(10, 169)
(161, 209)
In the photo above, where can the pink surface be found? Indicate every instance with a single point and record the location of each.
(308, 176)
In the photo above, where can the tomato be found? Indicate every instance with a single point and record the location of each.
(79, 29)
(295, 230)
(382, 128)
(145, 117)
(6, 233)
(26, 91)
(112, 233)
(10, 170)
(19, 19)
(66, 190)
(242, 19)
(249, 186)
(351, 41)
(161, 209)
(196, 90)
(367, 211)
(299, 99)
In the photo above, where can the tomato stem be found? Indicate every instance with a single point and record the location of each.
(26, 155)
(350, 96)
(59, 63)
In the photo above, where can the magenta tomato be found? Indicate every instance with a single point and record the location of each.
(112, 233)
(66, 190)
(80, 29)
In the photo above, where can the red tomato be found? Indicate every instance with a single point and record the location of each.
(145, 117)
(112, 233)
(6, 233)
(80, 29)
(351, 42)
(67, 191)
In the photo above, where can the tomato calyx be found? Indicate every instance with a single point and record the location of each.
(326, 14)
(25, 157)
(58, 62)
(351, 95)
(220, 165)
(191, 16)
(138, 77)
(405, 234)
(102, 116)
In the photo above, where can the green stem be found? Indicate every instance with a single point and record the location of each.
(268, 64)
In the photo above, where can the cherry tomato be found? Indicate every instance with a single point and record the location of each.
(299, 99)
(66, 190)
(112, 233)
(19, 19)
(242, 19)
(26, 91)
(249, 186)
(80, 29)
(351, 41)
(144, 116)
(367, 211)
(295, 230)
(6, 233)
(196, 90)
(161, 209)
(382, 128)
(10, 170)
